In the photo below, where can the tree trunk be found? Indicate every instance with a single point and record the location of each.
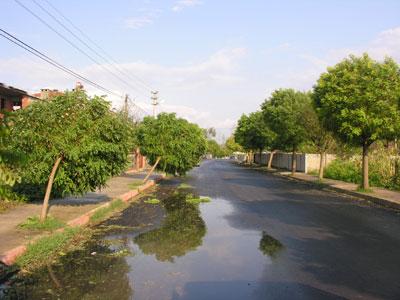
(294, 161)
(271, 156)
(152, 169)
(365, 180)
(321, 165)
(45, 207)
(260, 159)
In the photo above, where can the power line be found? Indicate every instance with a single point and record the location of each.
(110, 58)
(49, 60)
(73, 44)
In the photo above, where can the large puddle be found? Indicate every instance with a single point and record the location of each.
(171, 250)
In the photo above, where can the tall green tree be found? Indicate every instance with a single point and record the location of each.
(73, 142)
(252, 133)
(283, 113)
(317, 135)
(172, 144)
(358, 100)
(10, 160)
(231, 146)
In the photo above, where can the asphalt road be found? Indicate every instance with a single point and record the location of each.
(335, 247)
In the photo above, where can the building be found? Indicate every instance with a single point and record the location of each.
(12, 99)
(46, 94)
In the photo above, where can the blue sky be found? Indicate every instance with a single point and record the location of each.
(210, 60)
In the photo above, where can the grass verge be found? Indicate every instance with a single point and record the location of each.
(135, 184)
(50, 224)
(45, 249)
(104, 212)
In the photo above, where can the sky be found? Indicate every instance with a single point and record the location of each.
(210, 60)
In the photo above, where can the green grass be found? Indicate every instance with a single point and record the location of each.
(152, 201)
(50, 224)
(44, 249)
(104, 212)
(184, 186)
(135, 184)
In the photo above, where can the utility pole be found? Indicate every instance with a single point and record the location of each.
(126, 105)
(154, 101)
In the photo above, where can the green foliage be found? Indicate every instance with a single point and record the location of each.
(252, 133)
(215, 149)
(152, 201)
(45, 248)
(284, 113)
(104, 212)
(345, 170)
(93, 142)
(49, 224)
(231, 146)
(180, 144)
(358, 100)
(10, 160)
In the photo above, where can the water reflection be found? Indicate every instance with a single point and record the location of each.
(269, 246)
(181, 232)
(88, 273)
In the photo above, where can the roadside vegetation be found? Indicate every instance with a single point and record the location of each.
(49, 224)
(353, 111)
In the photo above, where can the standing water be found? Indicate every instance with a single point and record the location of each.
(172, 250)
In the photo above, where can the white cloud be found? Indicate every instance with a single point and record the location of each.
(147, 17)
(180, 5)
(188, 89)
(135, 23)
(386, 43)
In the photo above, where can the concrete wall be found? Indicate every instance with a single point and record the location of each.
(304, 162)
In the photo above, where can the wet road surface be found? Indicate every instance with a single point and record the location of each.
(260, 237)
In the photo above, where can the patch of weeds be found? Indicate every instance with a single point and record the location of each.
(104, 212)
(152, 201)
(122, 253)
(49, 224)
(184, 186)
(362, 190)
(45, 249)
(196, 200)
(6, 205)
(135, 184)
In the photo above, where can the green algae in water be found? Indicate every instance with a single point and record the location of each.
(152, 201)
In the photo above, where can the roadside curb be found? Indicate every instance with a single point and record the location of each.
(11, 256)
(380, 201)
(377, 200)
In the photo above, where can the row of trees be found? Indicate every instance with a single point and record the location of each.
(74, 143)
(356, 103)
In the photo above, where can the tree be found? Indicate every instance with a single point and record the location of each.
(358, 100)
(284, 112)
(76, 139)
(252, 133)
(174, 143)
(10, 160)
(321, 139)
(231, 146)
(215, 149)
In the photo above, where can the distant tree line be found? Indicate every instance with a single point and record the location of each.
(355, 104)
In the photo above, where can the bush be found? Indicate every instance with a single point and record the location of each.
(345, 170)
(381, 169)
